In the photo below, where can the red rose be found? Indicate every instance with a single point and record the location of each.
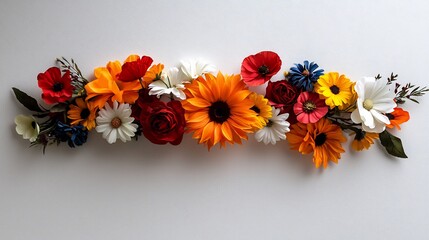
(163, 122)
(55, 88)
(144, 98)
(259, 68)
(283, 95)
(135, 70)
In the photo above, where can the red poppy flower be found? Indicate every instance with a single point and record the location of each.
(398, 116)
(55, 88)
(134, 70)
(259, 68)
(309, 108)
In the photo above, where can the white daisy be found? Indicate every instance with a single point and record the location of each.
(374, 101)
(171, 82)
(116, 122)
(27, 127)
(193, 68)
(275, 130)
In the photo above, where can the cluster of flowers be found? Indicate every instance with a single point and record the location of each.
(308, 107)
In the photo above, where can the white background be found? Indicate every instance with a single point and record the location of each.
(143, 191)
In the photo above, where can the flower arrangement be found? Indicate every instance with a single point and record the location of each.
(312, 109)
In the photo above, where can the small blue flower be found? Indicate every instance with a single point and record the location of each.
(73, 135)
(304, 76)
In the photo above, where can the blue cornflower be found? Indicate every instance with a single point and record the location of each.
(73, 135)
(304, 76)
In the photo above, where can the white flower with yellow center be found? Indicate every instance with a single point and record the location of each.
(275, 130)
(116, 123)
(374, 101)
(27, 127)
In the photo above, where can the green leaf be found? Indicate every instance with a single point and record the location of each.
(28, 102)
(60, 107)
(392, 144)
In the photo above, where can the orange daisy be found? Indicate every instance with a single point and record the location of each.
(363, 140)
(323, 138)
(82, 113)
(218, 110)
(107, 88)
(397, 117)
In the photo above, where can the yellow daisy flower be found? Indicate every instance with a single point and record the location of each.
(82, 113)
(334, 88)
(218, 110)
(262, 109)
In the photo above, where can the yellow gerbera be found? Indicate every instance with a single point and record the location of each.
(363, 140)
(334, 88)
(82, 113)
(218, 110)
(107, 87)
(153, 74)
(323, 137)
(262, 108)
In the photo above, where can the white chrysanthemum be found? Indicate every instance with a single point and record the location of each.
(193, 68)
(374, 101)
(171, 82)
(116, 122)
(27, 127)
(275, 130)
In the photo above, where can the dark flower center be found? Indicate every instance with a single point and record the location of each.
(390, 116)
(320, 139)
(84, 113)
(309, 106)
(219, 112)
(116, 122)
(334, 89)
(263, 70)
(57, 87)
(255, 109)
(269, 123)
(306, 73)
(360, 135)
(33, 124)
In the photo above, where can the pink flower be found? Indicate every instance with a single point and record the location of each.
(309, 108)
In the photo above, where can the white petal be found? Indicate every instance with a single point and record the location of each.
(380, 117)
(111, 138)
(355, 116)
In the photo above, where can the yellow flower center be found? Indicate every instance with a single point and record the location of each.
(309, 106)
(368, 104)
(116, 122)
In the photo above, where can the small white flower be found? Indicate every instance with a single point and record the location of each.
(193, 68)
(275, 130)
(171, 82)
(116, 122)
(374, 101)
(27, 127)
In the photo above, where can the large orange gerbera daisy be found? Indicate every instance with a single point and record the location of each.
(107, 88)
(218, 110)
(323, 137)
